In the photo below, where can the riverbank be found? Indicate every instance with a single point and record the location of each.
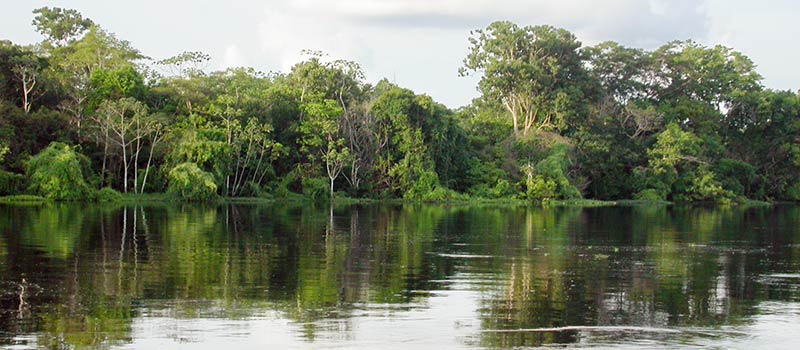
(300, 199)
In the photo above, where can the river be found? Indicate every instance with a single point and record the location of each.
(255, 276)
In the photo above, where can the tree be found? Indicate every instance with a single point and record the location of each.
(56, 173)
(321, 140)
(536, 72)
(124, 123)
(60, 26)
(27, 70)
(678, 170)
(76, 63)
(253, 150)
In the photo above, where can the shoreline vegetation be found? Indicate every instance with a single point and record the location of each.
(86, 117)
(155, 198)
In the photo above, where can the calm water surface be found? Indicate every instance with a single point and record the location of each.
(398, 277)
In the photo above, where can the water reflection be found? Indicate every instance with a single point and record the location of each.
(77, 276)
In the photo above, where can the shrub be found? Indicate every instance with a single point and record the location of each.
(539, 189)
(441, 194)
(426, 183)
(107, 194)
(189, 182)
(56, 173)
(502, 188)
(648, 195)
(548, 179)
(705, 187)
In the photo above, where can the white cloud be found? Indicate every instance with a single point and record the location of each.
(234, 57)
(421, 43)
(285, 33)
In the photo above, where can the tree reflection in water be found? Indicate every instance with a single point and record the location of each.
(78, 276)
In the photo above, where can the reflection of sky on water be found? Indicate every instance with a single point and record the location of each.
(447, 321)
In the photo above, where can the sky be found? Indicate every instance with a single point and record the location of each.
(420, 44)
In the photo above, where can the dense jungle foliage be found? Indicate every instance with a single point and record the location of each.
(83, 110)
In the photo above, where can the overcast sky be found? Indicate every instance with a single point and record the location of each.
(420, 44)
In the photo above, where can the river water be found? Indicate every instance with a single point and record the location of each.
(172, 276)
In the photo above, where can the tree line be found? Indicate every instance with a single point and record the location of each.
(84, 115)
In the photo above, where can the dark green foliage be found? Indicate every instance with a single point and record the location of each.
(316, 188)
(11, 183)
(738, 177)
(55, 173)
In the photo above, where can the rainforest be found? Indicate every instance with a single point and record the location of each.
(85, 116)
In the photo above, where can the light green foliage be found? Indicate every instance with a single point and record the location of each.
(548, 179)
(500, 189)
(60, 26)
(648, 195)
(679, 171)
(107, 194)
(319, 126)
(203, 144)
(708, 74)
(321, 141)
(3, 152)
(190, 182)
(539, 188)
(55, 173)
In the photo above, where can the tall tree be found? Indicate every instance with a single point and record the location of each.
(124, 123)
(60, 26)
(321, 139)
(535, 71)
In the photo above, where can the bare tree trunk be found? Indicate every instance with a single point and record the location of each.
(153, 143)
(28, 83)
(136, 156)
(125, 163)
(105, 158)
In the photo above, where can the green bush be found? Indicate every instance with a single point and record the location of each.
(705, 187)
(442, 194)
(189, 182)
(548, 179)
(648, 195)
(56, 173)
(539, 189)
(426, 183)
(502, 188)
(107, 194)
